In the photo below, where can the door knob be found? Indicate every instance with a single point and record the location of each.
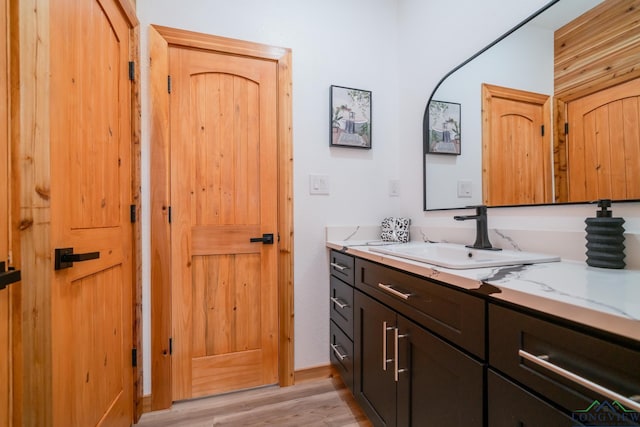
(64, 257)
(267, 239)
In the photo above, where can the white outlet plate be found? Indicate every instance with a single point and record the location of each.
(465, 188)
(318, 184)
(394, 187)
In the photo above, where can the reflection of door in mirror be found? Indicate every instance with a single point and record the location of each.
(603, 154)
(516, 157)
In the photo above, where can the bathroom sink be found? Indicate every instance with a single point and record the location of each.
(455, 256)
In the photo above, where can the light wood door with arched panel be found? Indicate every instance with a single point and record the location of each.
(222, 305)
(516, 150)
(603, 144)
(223, 192)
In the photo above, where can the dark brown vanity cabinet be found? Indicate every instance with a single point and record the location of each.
(406, 375)
(543, 370)
(341, 315)
(418, 352)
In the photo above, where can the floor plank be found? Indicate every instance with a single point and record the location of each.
(323, 402)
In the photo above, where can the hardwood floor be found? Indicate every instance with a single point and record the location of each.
(321, 402)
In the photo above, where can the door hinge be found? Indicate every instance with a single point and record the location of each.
(169, 84)
(132, 213)
(134, 357)
(132, 70)
(566, 128)
(542, 130)
(170, 346)
(169, 214)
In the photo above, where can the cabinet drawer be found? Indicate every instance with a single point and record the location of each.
(341, 354)
(341, 266)
(341, 301)
(555, 360)
(454, 315)
(511, 406)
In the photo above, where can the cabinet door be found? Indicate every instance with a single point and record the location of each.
(510, 406)
(438, 384)
(375, 386)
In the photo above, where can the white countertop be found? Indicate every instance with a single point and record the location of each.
(605, 299)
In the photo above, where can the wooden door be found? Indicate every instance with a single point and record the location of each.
(603, 144)
(5, 316)
(516, 156)
(90, 136)
(223, 193)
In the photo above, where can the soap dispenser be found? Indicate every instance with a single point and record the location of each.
(605, 238)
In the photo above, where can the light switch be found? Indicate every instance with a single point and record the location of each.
(465, 188)
(318, 184)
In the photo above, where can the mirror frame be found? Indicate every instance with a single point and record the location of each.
(425, 119)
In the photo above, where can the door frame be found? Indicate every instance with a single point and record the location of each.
(160, 38)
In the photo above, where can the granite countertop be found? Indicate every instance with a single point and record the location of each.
(604, 299)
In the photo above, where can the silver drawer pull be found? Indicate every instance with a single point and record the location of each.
(392, 291)
(385, 331)
(336, 351)
(597, 388)
(339, 303)
(396, 370)
(338, 266)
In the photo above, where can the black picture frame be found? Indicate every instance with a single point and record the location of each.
(444, 132)
(349, 117)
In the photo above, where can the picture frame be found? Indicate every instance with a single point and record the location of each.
(444, 133)
(349, 117)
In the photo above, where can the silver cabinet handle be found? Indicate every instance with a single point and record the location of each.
(336, 351)
(338, 266)
(385, 330)
(397, 371)
(339, 303)
(597, 388)
(392, 291)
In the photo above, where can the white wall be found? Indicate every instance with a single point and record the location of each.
(378, 45)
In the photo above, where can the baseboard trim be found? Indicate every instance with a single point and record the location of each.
(315, 373)
(146, 403)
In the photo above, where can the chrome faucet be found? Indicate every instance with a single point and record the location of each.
(482, 232)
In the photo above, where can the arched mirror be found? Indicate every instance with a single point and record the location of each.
(522, 121)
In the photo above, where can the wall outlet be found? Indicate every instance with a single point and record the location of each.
(394, 187)
(318, 184)
(465, 188)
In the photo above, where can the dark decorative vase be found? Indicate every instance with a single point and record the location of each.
(605, 238)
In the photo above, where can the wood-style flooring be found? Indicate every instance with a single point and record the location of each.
(321, 402)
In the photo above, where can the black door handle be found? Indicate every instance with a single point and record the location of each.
(64, 257)
(8, 277)
(267, 239)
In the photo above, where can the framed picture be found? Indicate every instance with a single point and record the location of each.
(444, 128)
(350, 117)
